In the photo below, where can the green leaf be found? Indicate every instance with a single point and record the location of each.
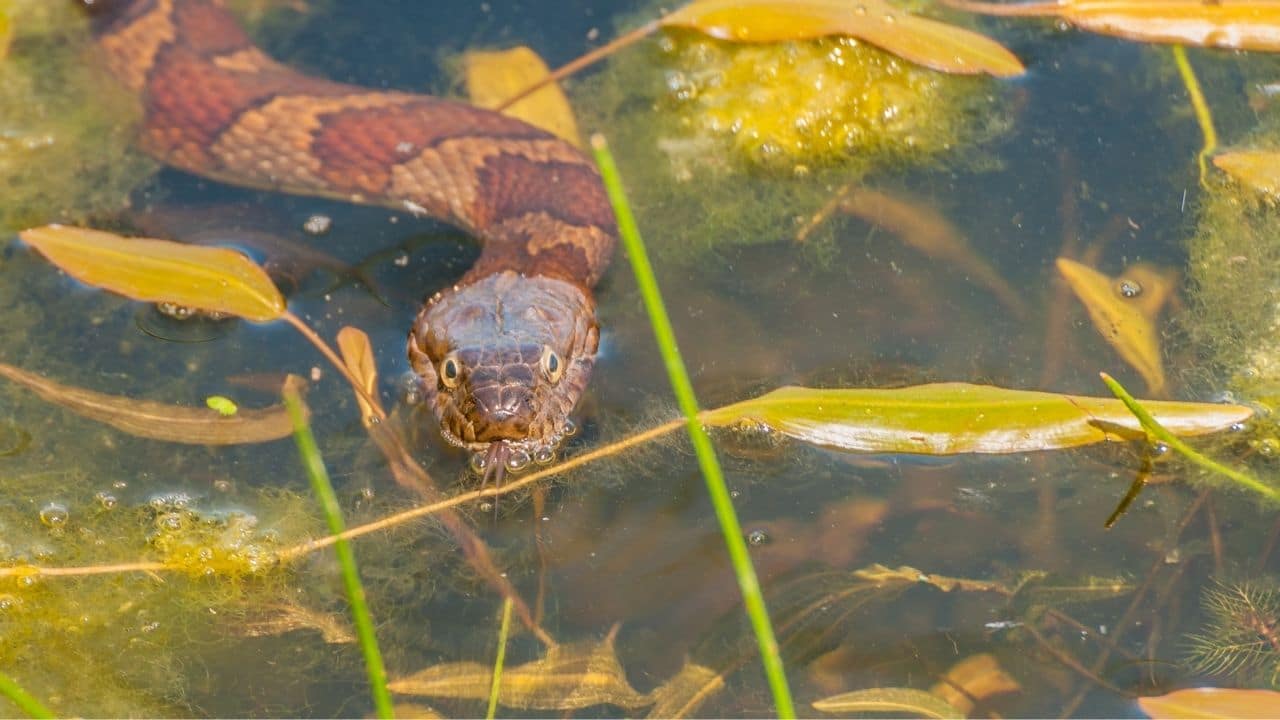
(212, 279)
(951, 418)
(1212, 703)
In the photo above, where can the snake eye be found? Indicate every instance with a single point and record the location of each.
(449, 372)
(552, 365)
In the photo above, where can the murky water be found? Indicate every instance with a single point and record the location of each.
(1094, 145)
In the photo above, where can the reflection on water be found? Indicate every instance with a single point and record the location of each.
(1079, 617)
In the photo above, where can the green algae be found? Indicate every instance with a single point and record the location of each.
(66, 129)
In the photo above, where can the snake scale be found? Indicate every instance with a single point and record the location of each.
(503, 355)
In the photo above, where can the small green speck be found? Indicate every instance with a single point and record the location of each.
(224, 405)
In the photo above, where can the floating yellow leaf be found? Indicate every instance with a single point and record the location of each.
(158, 421)
(1122, 316)
(683, 694)
(972, 680)
(1259, 169)
(1236, 24)
(925, 42)
(493, 77)
(212, 279)
(570, 677)
(926, 230)
(1207, 702)
(951, 418)
(916, 703)
(357, 355)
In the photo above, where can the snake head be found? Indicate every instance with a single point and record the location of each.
(503, 361)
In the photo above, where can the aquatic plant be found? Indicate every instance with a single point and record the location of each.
(1241, 637)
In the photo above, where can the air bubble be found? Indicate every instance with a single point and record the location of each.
(478, 463)
(544, 456)
(518, 460)
(570, 428)
(106, 500)
(1129, 288)
(758, 537)
(55, 515)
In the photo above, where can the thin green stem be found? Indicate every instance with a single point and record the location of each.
(323, 489)
(752, 597)
(24, 700)
(1201, 107)
(1159, 432)
(495, 687)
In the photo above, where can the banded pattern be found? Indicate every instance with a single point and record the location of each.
(216, 106)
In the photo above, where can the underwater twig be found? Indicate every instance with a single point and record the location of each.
(1159, 432)
(753, 598)
(1201, 108)
(23, 699)
(1066, 659)
(496, 686)
(323, 489)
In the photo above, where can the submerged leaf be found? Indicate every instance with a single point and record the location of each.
(1124, 318)
(922, 41)
(951, 418)
(215, 280)
(685, 692)
(926, 230)
(273, 619)
(493, 77)
(905, 574)
(1259, 169)
(1207, 702)
(158, 421)
(916, 703)
(1235, 24)
(569, 677)
(972, 680)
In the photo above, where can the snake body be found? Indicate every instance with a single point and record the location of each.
(503, 355)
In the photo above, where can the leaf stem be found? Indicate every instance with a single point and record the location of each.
(496, 686)
(1158, 431)
(1201, 108)
(323, 488)
(23, 699)
(752, 596)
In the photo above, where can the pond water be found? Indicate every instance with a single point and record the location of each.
(1091, 153)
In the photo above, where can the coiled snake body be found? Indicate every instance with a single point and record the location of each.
(504, 354)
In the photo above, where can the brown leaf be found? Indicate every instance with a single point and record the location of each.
(357, 355)
(925, 42)
(492, 77)
(1206, 702)
(158, 421)
(1236, 24)
(569, 677)
(215, 280)
(1126, 323)
(917, 703)
(926, 230)
(271, 620)
(974, 678)
(1259, 169)
(907, 575)
(685, 692)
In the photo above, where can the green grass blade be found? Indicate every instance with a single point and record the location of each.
(1158, 431)
(323, 489)
(495, 687)
(752, 597)
(22, 698)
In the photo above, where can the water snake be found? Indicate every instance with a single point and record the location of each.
(504, 354)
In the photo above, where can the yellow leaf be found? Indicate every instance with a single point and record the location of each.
(357, 354)
(925, 42)
(569, 677)
(916, 703)
(1212, 703)
(158, 421)
(1237, 24)
(1259, 169)
(493, 77)
(212, 279)
(950, 418)
(1122, 317)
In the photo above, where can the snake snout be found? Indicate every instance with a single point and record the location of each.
(504, 406)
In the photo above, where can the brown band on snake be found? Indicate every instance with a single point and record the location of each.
(505, 353)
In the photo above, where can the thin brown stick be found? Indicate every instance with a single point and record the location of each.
(82, 570)
(329, 354)
(573, 66)
(1071, 662)
(1215, 536)
(1267, 548)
